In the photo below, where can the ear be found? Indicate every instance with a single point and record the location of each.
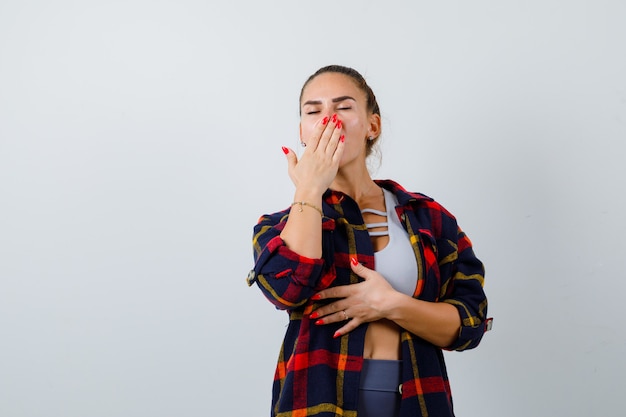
(300, 125)
(374, 125)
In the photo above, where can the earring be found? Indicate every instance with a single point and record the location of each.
(303, 144)
(371, 138)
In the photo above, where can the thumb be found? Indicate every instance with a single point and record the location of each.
(360, 269)
(292, 159)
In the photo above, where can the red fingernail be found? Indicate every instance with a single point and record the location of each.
(342, 138)
(285, 150)
(354, 261)
(325, 120)
(314, 315)
(334, 119)
(338, 124)
(319, 322)
(316, 297)
(336, 335)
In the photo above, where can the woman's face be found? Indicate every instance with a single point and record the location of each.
(334, 93)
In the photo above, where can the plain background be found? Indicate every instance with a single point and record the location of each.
(140, 141)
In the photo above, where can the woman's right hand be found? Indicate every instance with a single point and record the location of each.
(317, 167)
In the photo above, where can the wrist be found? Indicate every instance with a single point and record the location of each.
(393, 303)
(303, 204)
(309, 195)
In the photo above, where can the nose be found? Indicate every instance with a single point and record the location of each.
(328, 113)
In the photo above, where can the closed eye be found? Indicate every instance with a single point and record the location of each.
(312, 112)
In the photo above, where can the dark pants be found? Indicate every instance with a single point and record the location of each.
(379, 393)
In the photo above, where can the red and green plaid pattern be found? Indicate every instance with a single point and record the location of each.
(318, 375)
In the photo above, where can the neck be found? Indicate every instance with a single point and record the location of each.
(355, 182)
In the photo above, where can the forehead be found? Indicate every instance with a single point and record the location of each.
(331, 85)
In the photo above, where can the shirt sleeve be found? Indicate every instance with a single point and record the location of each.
(286, 278)
(464, 274)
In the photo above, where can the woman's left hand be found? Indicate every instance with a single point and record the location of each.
(357, 303)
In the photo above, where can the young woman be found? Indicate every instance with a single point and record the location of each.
(376, 280)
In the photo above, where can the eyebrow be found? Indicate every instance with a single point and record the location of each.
(335, 100)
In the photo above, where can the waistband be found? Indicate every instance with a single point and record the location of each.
(381, 375)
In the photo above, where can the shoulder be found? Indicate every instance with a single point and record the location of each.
(412, 200)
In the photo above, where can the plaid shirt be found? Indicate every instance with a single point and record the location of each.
(318, 375)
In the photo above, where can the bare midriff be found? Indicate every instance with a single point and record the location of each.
(382, 339)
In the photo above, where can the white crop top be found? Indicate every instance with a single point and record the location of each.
(396, 261)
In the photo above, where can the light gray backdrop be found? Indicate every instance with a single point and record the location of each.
(140, 141)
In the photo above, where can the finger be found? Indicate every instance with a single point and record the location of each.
(360, 269)
(347, 328)
(341, 291)
(336, 138)
(337, 317)
(313, 142)
(330, 313)
(338, 151)
(330, 137)
(328, 133)
(292, 159)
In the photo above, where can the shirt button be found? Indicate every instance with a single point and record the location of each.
(251, 277)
